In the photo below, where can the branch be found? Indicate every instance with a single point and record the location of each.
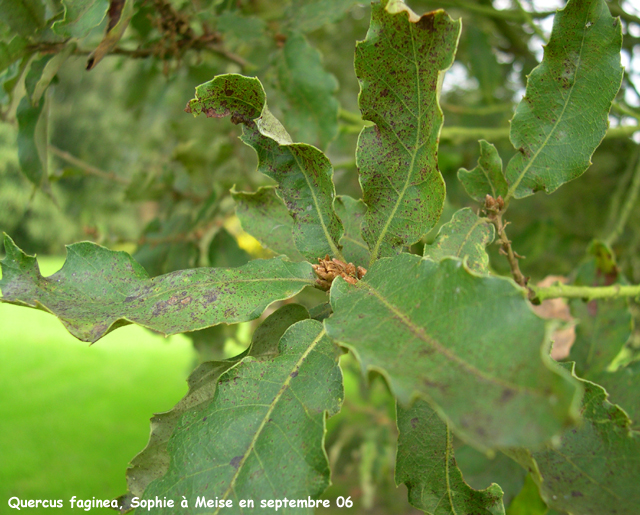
(86, 167)
(584, 292)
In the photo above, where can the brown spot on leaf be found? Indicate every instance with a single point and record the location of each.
(427, 22)
(235, 462)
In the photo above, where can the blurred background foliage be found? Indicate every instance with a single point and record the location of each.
(108, 154)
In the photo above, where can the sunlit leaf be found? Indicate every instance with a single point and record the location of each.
(261, 436)
(564, 114)
(312, 116)
(437, 331)
(400, 66)
(98, 290)
(466, 235)
(426, 464)
(303, 172)
(594, 470)
(487, 178)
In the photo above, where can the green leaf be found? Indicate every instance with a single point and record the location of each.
(487, 178)
(400, 66)
(605, 325)
(480, 471)
(264, 216)
(119, 19)
(80, 16)
(33, 140)
(225, 252)
(12, 51)
(43, 71)
(563, 116)
(24, 17)
(309, 15)
(351, 212)
(466, 235)
(312, 115)
(623, 388)
(437, 331)
(303, 172)
(153, 461)
(98, 290)
(262, 434)
(426, 464)
(528, 501)
(594, 470)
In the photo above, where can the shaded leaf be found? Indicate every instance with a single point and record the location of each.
(33, 140)
(120, 13)
(437, 331)
(43, 71)
(594, 470)
(153, 461)
(268, 415)
(304, 174)
(264, 216)
(24, 17)
(225, 252)
(400, 66)
(312, 115)
(465, 235)
(426, 464)
(562, 118)
(98, 290)
(12, 51)
(487, 178)
(528, 501)
(80, 16)
(309, 15)
(604, 325)
(623, 389)
(351, 212)
(480, 471)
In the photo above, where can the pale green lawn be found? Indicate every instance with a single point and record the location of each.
(72, 416)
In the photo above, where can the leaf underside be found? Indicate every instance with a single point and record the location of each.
(469, 344)
(425, 463)
(563, 116)
(400, 66)
(98, 290)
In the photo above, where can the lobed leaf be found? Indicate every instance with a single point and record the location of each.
(605, 325)
(264, 216)
(594, 470)
(563, 116)
(400, 66)
(98, 290)
(304, 174)
(623, 389)
(80, 16)
(487, 178)
(351, 212)
(312, 115)
(153, 461)
(466, 235)
(425, 463)
(262, 434)
(469, 344)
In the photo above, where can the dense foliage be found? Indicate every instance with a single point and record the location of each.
(369, 281)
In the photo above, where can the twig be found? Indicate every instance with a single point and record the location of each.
(584, 292)
(478, 111)
(86, 167)
(628, 206)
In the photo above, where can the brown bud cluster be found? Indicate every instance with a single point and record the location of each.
(328, 269)
(493, 205)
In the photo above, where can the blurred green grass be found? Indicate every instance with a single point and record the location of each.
(72, 416)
